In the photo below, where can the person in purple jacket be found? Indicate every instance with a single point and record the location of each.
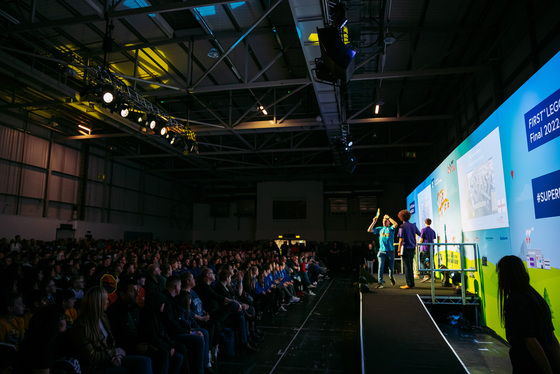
(407, 246)
(427, 235)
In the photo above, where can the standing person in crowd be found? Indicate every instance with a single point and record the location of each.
(370, 256)
(386, 247)
(92, 342)
(407, 246)
(527, 319)
(427, 235)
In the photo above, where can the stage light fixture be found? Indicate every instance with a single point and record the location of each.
(389, 38)
(213, 53)
(124, 111)
(107, 95)
(163, 131)
(152, 123)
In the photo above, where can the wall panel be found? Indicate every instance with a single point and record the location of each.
(30, 207)
(11, 143)
(60, 211)
(7, 204)
(36, 151)
(63, 189)
(10, 177)
(125, 176)
(96, 166)
(65, 160)
(33, 183)
(94, 194)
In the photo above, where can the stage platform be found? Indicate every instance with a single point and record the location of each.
(400, 336)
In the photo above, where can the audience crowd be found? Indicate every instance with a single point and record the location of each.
(98, 306)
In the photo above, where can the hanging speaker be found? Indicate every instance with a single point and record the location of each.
(338, 57)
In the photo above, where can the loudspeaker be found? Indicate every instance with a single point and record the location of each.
(338, 57)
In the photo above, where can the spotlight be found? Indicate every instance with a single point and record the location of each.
(213, 53)
(350, 143)
(124, 111)
(378, 105)
(139, 118)
(152, 123)
(107, 95)
(389, 38)
(163, 131)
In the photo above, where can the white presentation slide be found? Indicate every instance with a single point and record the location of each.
(425, 209)
(481, 186)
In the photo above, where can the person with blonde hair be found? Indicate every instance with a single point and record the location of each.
(92, 341)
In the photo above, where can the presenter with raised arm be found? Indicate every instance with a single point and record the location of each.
(386, 246)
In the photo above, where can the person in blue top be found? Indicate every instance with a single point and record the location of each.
(407, 246)
(386, 246)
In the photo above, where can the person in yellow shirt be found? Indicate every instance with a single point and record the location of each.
(12, 324)
(66, 299)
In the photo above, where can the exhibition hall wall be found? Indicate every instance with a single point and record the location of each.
(500, 189)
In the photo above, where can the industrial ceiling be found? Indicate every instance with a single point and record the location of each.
(437, 68)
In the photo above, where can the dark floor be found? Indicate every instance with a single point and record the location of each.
(322, 335)
(318, 335)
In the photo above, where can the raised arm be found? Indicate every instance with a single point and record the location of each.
(370, 228)
(393, 222)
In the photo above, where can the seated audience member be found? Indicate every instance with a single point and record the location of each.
(195, 341)
(124, 318)
(77, 284)
(48, 287)
(224, 288)
(224, 310)
(91, 340)
(12, 324)
(183, 301)
(167, 355)
(189, 297)
(42, 351)
(66, 299)
(154, 281)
